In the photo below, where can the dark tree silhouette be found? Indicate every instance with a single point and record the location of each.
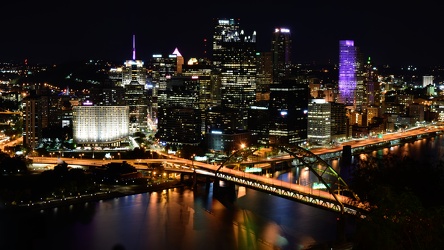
(407, 214)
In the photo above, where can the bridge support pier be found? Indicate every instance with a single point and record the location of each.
(346, 162)
(216, 186)
(340, 228)
(228, 190)
(207, 183)
(346, 155)
(194, 179)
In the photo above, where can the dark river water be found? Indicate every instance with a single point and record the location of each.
(183, 218)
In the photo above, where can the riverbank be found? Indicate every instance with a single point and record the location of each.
(114, 191)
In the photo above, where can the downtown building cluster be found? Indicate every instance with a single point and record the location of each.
(236, 95)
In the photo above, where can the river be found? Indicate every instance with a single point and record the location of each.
(183, 218)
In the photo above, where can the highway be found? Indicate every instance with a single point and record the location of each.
(173, 161)
(303, 193)
(265, 183)
(375, 140)
(8, 143)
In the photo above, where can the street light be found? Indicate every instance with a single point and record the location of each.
(192, 160)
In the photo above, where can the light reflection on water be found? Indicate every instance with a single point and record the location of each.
(425, 151)
(190, 219)
(175, 219)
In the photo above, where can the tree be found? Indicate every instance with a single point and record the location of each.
(403, 216)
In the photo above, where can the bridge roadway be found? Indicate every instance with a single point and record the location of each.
(386, 139)
(301, 193)
(304, 194)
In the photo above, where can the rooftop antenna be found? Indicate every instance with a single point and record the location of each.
(134, 47)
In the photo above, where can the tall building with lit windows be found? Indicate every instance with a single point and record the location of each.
(134, 80)
(234, 68)
(32, 120)
(161, 69)
(180, 118)
(137, 102)
(319, 121)
(288, 112)
(281, 54)
(133, 70)
(223, 29)
(264, 75)
(100, 125)
(351, 89)
(199, 70)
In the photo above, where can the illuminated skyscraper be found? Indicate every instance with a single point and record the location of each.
(200, 73)
(264, 75)
(133, 70)
(134, 81)
(372, 89)
(348, 69)
(32, 120)
(281, 51)
(180, 60)
(234, 67)
(223, 30)
(319, 121)
(288, 112)
(161, 69)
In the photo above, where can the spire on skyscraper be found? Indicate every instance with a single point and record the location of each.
(134, 47)
(176, 52)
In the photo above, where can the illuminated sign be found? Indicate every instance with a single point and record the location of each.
(282, 30)
(257, 107)
(253, 170)
(201, 158)
(318, 185)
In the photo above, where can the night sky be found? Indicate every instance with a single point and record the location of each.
(55, 32)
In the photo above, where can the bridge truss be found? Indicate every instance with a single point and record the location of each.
(334, 193)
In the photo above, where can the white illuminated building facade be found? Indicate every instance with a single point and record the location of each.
(319, 121)
(134, 70)
(100, 125)
(426, 81)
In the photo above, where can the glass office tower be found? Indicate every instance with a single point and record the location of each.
(234, 67)
(347, 72)
(281, 51)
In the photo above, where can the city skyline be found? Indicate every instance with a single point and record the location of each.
(46, 33)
